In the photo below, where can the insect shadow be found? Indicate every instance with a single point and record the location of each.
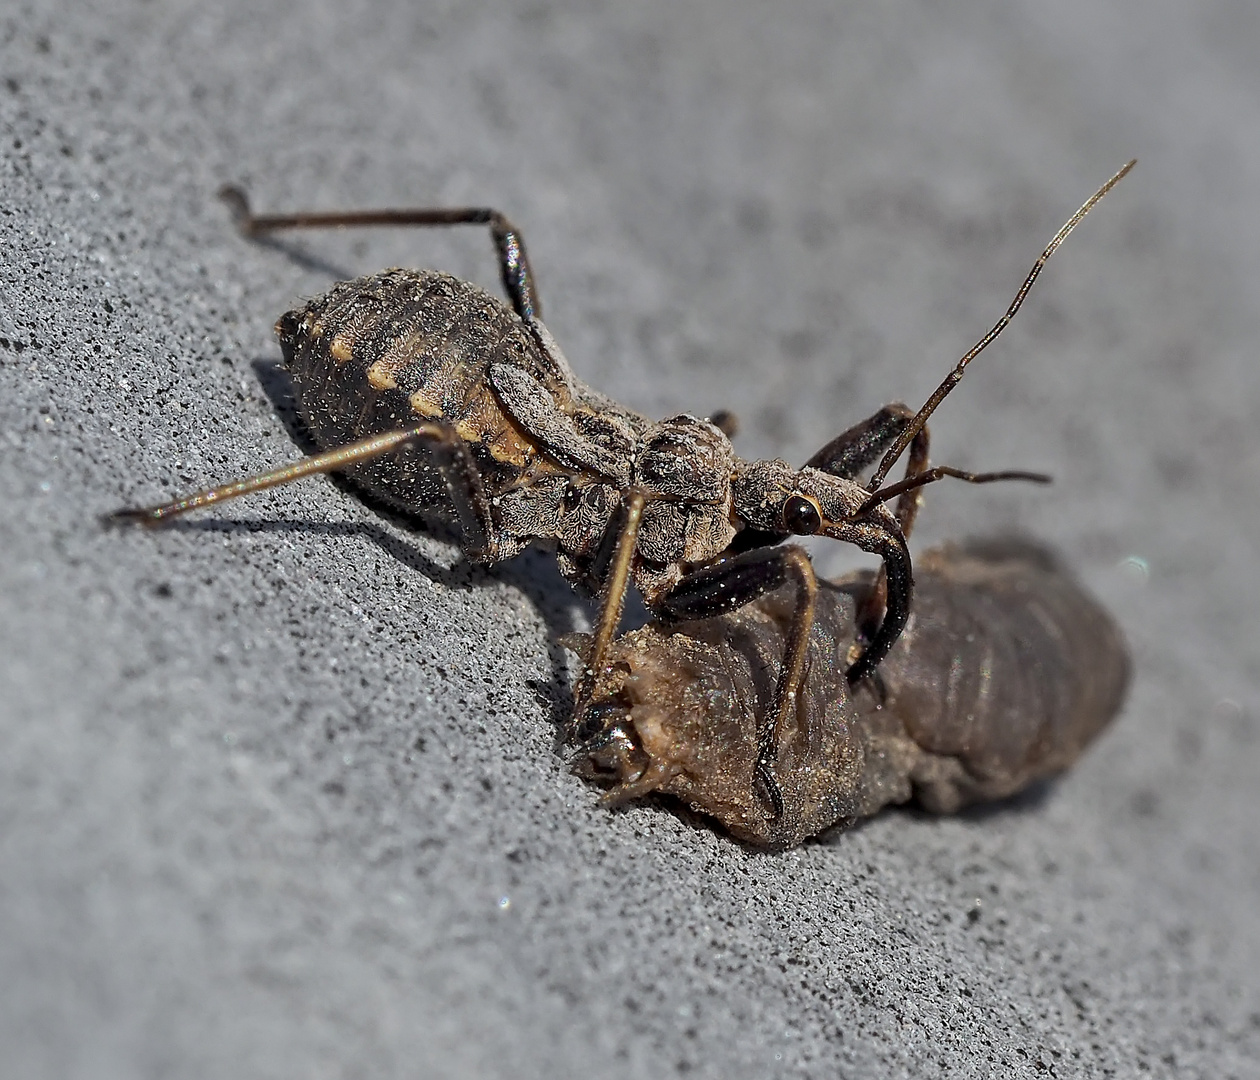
(300, 256)
(532, 573)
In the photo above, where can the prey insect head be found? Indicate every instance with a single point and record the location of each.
(626, 741)
(609, 748)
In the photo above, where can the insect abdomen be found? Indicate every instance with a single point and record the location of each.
(1009, 669)
(386, 352)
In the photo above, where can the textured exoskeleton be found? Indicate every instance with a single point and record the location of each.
(1006, 670)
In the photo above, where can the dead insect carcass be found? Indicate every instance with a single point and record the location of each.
(1004, 673)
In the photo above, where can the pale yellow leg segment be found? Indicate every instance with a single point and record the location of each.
(612, 602)
(328, 461)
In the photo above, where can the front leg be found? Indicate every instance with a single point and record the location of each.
(731, 583)
(852, 451)
(861, 445)
(858, 448)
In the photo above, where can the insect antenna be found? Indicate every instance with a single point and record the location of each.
(952, 379)
(930, 476)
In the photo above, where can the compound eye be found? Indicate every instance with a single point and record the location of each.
(801, 516)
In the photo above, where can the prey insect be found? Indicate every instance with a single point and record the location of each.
(1006, 671)
(424, 390)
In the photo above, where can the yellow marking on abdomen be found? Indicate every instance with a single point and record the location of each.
(425, 406)
(342, 348)
(381, 376)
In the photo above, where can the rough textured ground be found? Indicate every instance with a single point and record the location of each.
(278, 794)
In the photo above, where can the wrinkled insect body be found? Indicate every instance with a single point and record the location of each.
(1005, 672)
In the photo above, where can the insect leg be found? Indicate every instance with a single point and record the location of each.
(730, 584)
(467, 491)
(726, 422)
(914, 482)
(854, 450)
(518, 277)
(871, 609)
(612, 602)
(454, 461)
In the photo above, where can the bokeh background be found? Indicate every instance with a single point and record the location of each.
(278, 788)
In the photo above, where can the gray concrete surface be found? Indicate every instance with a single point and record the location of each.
(278, 794)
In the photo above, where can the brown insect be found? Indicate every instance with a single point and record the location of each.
(428, 392)
(1006, 670)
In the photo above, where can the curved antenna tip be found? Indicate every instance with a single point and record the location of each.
(952, 379)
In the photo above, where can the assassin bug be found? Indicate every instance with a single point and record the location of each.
(423, 389)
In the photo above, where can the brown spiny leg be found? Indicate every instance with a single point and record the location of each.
(790, 675)
(870, 612)
(726, 422)
(857, 448)
(518, 277)
(854, 450)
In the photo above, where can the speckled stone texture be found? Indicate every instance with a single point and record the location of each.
(278, 790)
